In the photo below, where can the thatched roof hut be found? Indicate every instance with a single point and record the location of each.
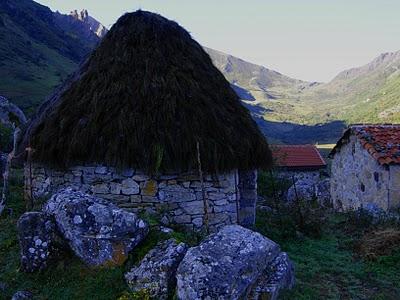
(144, 99)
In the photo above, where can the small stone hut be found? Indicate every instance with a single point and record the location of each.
(149, 123)
(366, 168)
(298, 161)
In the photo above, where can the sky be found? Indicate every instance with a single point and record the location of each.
(311, 40)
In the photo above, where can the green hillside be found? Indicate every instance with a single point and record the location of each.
(291, 110)
(36, 53)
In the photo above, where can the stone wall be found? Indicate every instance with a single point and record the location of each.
(357, 179)
(311, 175)
(178, 197)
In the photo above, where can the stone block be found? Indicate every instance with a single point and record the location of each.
(140, 177)
(192, 207)
(129, 187)
(149, 188)
(101, 170)
(182, 219)
(101, 188)
(128, 172)
(197, 222)
(149, 199)
(115, 188)
(136, 198)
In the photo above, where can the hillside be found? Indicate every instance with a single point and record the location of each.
(38, 49)
(296, 111)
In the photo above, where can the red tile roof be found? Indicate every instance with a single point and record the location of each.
(297, 156)
(381, 141)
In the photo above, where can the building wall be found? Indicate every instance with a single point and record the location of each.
(312, 175)
(394, 186)
(357, 179)
(179, 197)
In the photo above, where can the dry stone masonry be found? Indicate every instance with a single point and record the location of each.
(358, 180)
(179, 196)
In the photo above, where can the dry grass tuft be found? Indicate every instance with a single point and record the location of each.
(378, 243)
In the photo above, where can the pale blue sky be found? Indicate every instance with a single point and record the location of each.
(306, 39)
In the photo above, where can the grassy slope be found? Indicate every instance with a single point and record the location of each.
(36, 53)
(369, 94)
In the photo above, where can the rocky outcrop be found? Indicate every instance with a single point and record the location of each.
(227, 265)
(10, 113)
(36, 234)
(98, 232)
(156, 272)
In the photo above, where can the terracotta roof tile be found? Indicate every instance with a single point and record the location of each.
(297, 156)
(381, 141)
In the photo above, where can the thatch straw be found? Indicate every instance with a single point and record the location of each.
(143, 99)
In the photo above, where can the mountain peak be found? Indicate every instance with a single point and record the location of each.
(93, 25)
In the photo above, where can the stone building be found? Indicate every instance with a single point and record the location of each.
(301, 162)
(149, 123)
(366, 168)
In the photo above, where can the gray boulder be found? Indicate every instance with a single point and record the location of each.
(22, 295)
(156, 272)
(303, 189)
(309, 189)
(98, 232)
(36, 234)
(279, 275)
(225, 265)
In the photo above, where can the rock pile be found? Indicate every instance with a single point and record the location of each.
(235, 263)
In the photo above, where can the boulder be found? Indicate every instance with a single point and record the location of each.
(36, 233)
(225, 265)
(308, 189)
(303, 189)
(22, 295)
(156, 272)
(98, 232)
(279, 275)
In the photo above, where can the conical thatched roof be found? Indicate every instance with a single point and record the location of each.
(143, 99)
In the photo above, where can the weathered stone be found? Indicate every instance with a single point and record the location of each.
(225, 265)
(129, 187)
(101, 188)
(115, 188)
(136, 198)
(276, 277)
(140, 177)
(22, 295)
(302, 189)
(36, 234)
(197, 222)
(96, 230)
(156, 272)
(193, 207)
(101, 170)
(149, 188)
(182, 219)
(128, 172)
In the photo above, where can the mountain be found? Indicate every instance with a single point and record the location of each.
(292, 110)
(38, 50)
(259, 82)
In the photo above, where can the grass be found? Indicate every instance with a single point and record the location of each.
(328, 267)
